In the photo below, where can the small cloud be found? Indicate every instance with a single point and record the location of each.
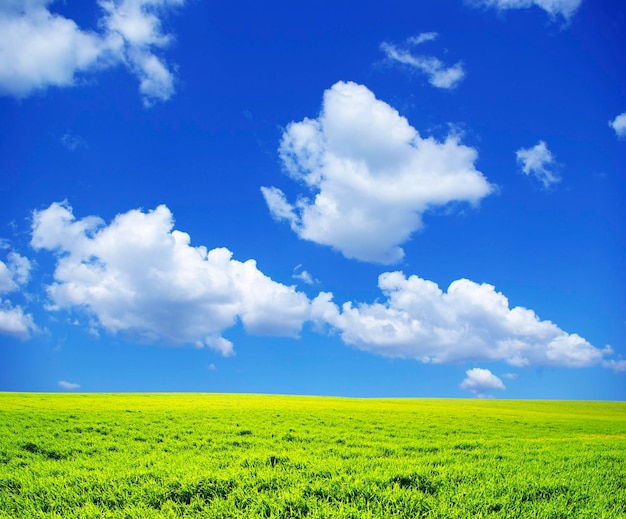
(565, 8)
(479, 380)
(212, 367)
(14, 275)
(15, 322)
(303, 275)
(619, 366)
(619, 125)
(439, 75)
(63, 384)
(511, 376)
(73, 142)
(423, 37)
(540, 163)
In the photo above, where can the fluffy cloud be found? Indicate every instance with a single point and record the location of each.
(438, 74)
(479, 381)
(63, 384)
(39, 48)
(565, 8)
(619, 125)
(14, 322)
(14, 273)
(468, 323)
(539, 162)
(373, 176)
(141, 277)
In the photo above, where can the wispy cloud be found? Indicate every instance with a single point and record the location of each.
(72, 142)
(564, 8)
(63, 384)
(439, 75)
(539, 162)
(40, 49)
(302, 275)
(619, 125)
(372, 175)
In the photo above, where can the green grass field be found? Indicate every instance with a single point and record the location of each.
(248, 456)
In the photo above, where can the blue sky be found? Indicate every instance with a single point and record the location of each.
(421, 199)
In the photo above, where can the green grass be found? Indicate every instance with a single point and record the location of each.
(247, 456)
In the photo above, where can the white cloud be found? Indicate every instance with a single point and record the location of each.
(39, 48)
(141, 277)
(470, 322)
(439, 75)
(372, 173)
(511, 376)
(14, 322)
(565, 8)
(423, 37)
(479, 380)
(619, 125)
(303, 275)
(63, 384)
(539, 162)
(14, 273)
(619, 366)
(72, 142)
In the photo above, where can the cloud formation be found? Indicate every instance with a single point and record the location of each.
(479, 381)
(14, 274)
(540, 163)
(439, 75)
(564, 8)
(39, 48)
(372, 176)
(141, 277)
(619, 125)
(470, 322)
(303, 275)
(63, 384)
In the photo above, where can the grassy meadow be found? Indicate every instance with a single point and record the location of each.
(247, 456)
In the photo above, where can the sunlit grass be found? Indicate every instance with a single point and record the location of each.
(246, 456)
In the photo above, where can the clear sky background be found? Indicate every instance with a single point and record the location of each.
(400, 198)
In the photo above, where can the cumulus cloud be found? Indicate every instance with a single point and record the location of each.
(540, 163)
(372, 176)
(141, 277)
(40, 48)
(439, 75)
(479, 381)
(470, 322)
(619, 125)
(15, 322)
(564, 8)
(14, 274)
(63, 384)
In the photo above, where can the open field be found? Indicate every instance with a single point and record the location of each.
(247, 456)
